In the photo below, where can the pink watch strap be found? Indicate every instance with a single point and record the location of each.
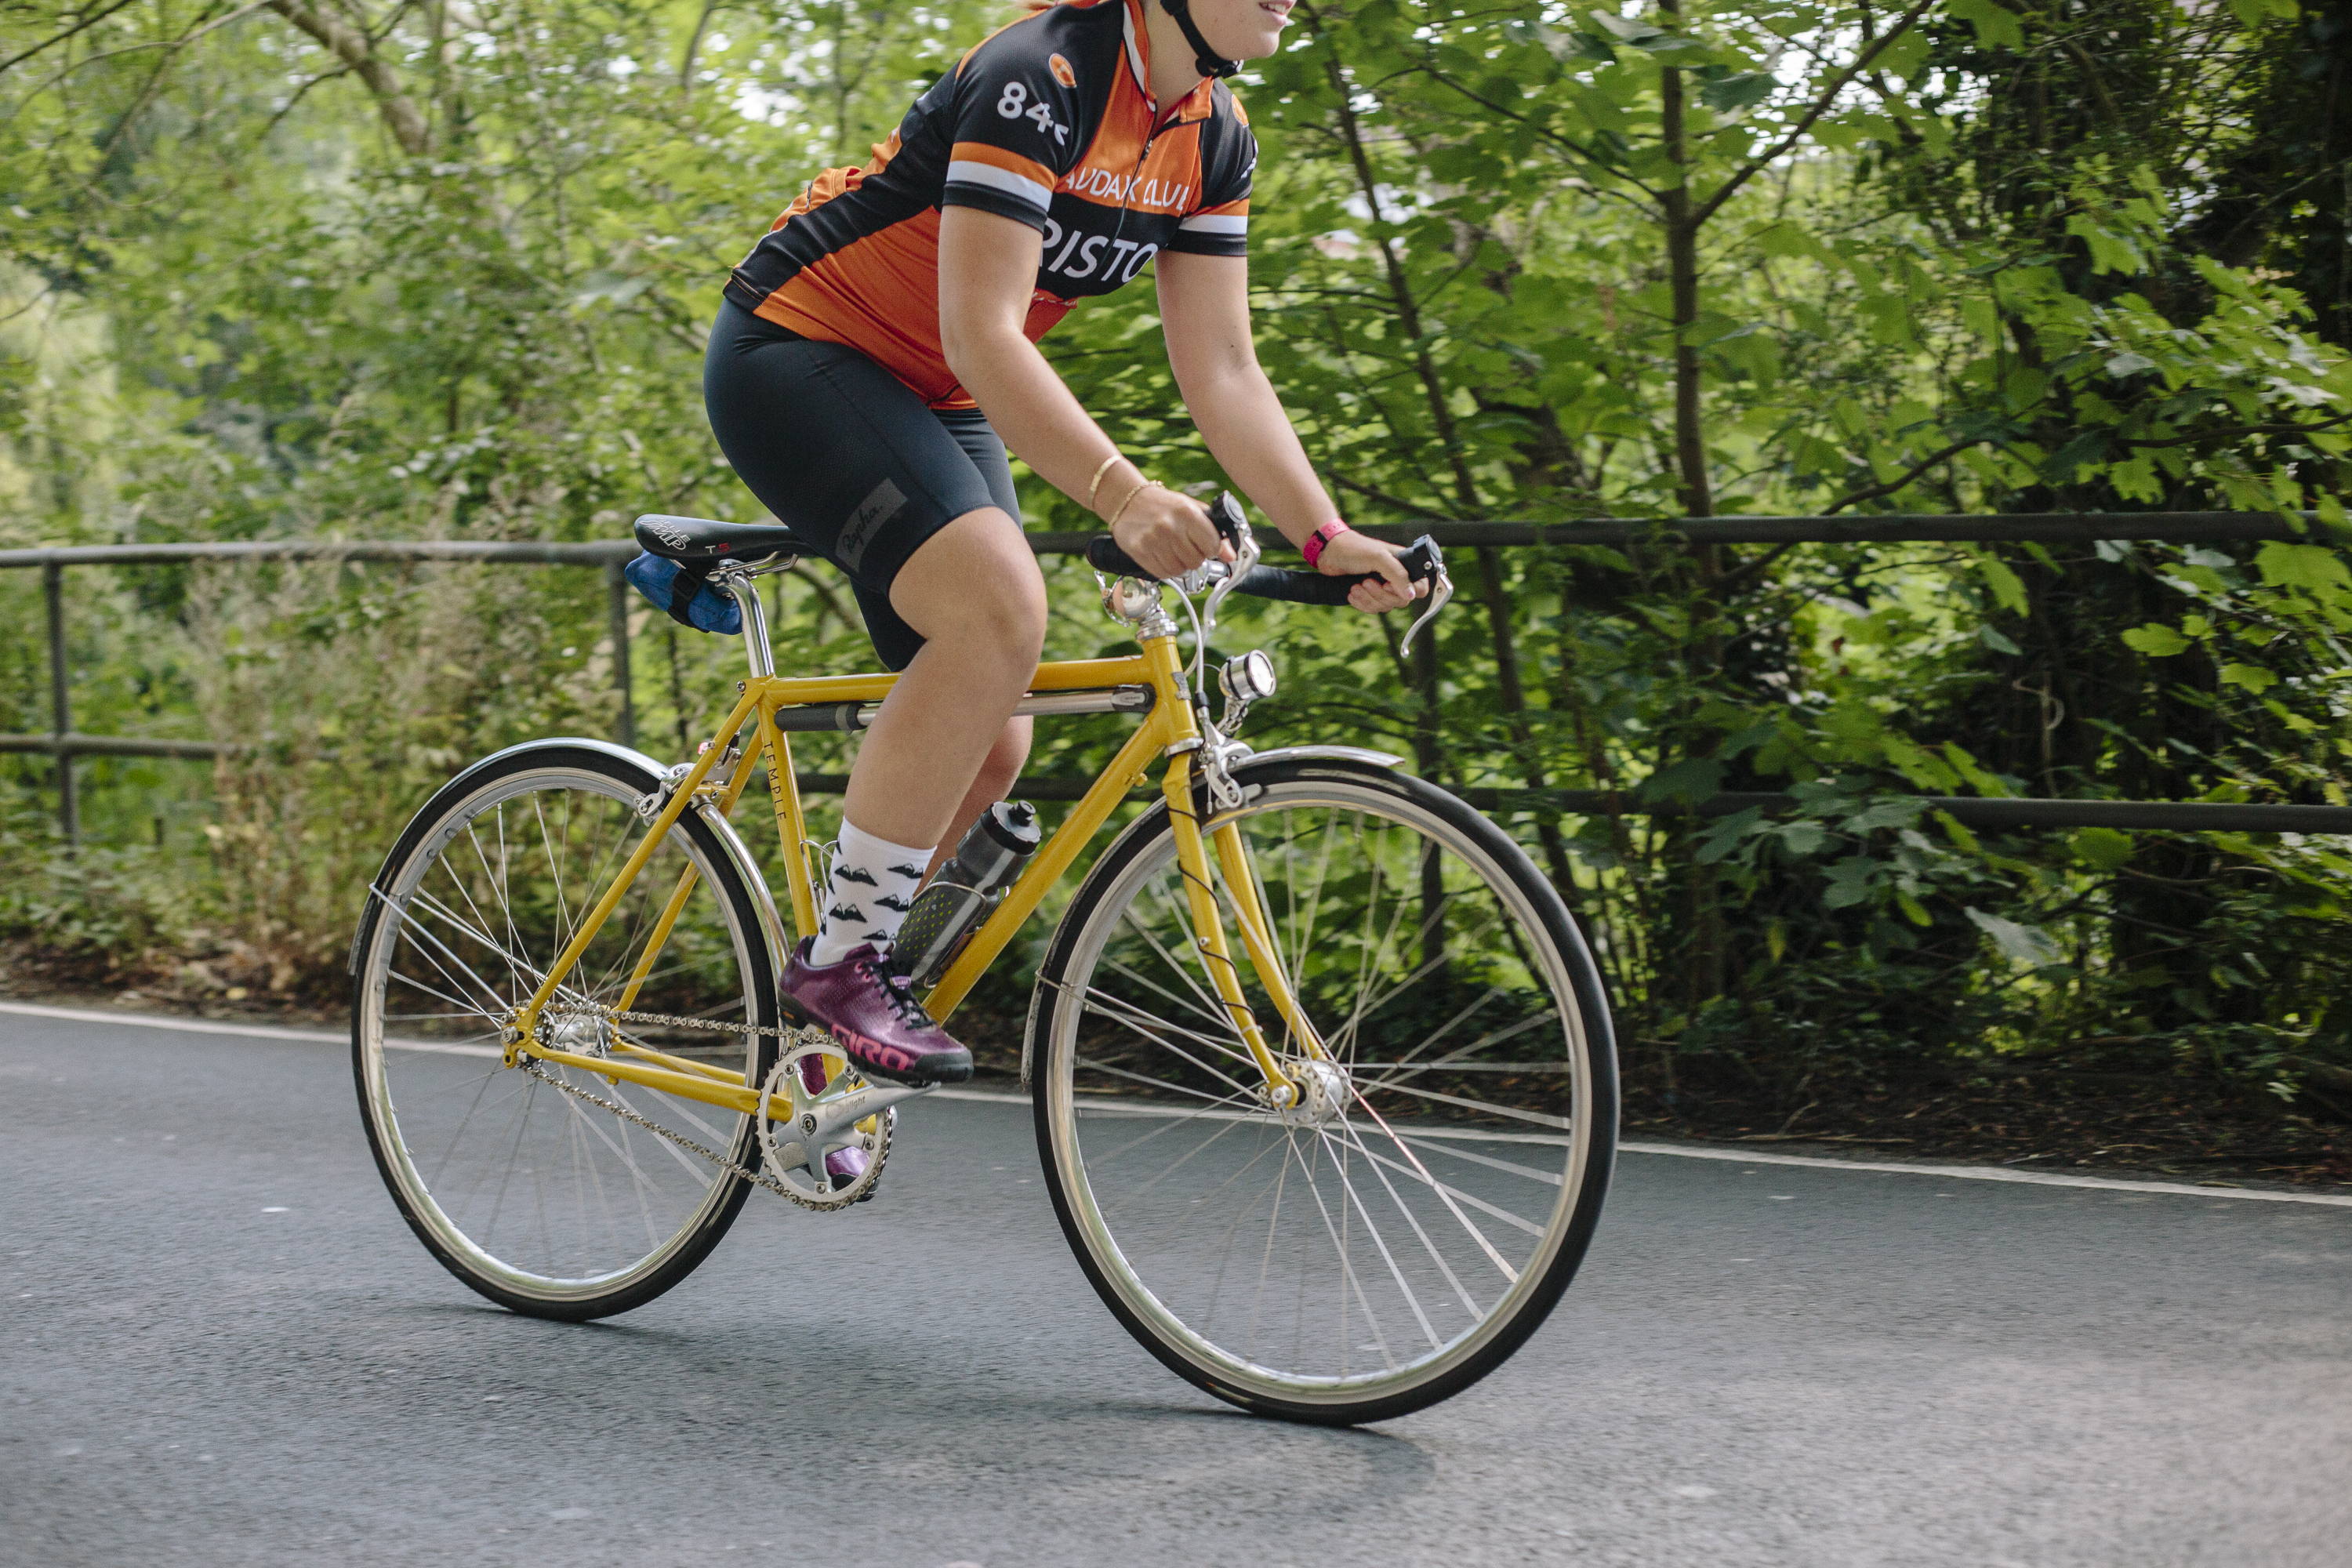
(1315, 541)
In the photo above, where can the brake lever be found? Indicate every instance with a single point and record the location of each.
(1226, 514)
(1441, 594)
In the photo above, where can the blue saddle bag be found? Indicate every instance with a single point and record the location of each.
(691, 599)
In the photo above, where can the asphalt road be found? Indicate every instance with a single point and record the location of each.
(221, 1346)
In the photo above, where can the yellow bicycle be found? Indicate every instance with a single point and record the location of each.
(1323, 1078)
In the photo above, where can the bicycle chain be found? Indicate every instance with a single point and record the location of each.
(757, 1178)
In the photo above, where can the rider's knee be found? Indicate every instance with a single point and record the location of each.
(1005, 618)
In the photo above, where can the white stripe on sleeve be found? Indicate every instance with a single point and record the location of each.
(971, 172)
(1205, 223)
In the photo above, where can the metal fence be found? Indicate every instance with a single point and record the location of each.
(63, 744)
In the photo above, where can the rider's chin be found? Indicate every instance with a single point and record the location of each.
(1249, 31)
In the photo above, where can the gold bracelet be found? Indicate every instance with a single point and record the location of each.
(1099, 472)
(1146, 485)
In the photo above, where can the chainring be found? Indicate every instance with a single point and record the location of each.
(786, 1143)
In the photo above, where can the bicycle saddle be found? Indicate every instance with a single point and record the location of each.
(701, 539)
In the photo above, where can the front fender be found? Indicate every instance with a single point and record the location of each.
(1343, 753)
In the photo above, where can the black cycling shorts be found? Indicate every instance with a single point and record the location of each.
(842, 451)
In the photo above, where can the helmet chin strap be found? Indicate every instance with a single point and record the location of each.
(1206, 60)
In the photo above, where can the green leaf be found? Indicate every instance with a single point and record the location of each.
(1690, 780)
(1625, 27)
(2008, 587)
(1980, 780)
(2313, 567)
(1734, 93)
(1801, 838)
(1849, 882)
(2155, 639)
(2254, 13)
(2253, 677)
(2102, 848)
(1900, 811)
(1997, 643)
(1996, 26)
(2024, 943)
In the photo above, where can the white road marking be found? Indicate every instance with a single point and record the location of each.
(996, 1097)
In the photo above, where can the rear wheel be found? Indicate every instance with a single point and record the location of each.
(1398, 1236)
(533, 1193)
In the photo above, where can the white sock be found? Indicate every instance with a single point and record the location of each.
(867, 895)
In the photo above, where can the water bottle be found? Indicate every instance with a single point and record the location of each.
(992, 853)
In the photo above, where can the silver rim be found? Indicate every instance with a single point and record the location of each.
(533, 1190)
(1358, 1250)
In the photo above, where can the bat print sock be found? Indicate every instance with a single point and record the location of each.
(868, 894)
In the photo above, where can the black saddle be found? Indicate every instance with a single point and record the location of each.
(700, 539)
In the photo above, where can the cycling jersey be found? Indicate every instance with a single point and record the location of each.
(1049, 121)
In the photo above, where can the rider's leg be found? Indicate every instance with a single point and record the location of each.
(974, 594)
(998, 772)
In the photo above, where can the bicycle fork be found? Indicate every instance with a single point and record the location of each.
(1242, 895)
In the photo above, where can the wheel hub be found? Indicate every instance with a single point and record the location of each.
(581, 1034)
(1324, 1088)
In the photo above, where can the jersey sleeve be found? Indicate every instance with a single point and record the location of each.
(1015, 131)
(1220, 224)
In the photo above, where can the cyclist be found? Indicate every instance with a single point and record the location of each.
(876, 356)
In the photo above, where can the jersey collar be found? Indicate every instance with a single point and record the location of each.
(1198, 104)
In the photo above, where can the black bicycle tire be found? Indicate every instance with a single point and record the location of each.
(592, 757)
(1584, 976)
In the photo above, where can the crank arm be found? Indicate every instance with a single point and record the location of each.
(821, 1125)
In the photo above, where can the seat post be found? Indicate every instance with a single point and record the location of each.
(738, 581)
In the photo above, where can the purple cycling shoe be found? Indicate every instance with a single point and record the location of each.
(871, 1012)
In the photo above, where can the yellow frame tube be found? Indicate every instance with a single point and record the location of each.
(1208, 930)
(1170, 724)
(1054, 858)
(1258, 935)
(527, 1021)
(684, 890)
(733, 1093)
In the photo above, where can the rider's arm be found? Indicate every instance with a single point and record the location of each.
(1205, 311)
(988, 269)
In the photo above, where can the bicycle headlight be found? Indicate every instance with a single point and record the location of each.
(1247, 679)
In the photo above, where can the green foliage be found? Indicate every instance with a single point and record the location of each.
(1527, 261)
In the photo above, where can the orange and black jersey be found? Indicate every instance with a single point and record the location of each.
(1049, 121)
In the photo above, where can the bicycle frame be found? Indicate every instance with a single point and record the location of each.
(766, 702)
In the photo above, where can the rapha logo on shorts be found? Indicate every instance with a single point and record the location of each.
(1062, 71)
(885, 503)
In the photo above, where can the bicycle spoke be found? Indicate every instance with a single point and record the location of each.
(562, 1203)
(1326, 1245)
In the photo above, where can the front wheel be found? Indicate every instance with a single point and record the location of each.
(1399, 1235)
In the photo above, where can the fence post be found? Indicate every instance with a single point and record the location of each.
(53, 595)
(616, 591)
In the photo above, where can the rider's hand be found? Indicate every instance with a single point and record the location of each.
(1167, 535)
(1353, 554)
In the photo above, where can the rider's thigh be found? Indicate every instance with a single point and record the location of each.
(976, 583)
